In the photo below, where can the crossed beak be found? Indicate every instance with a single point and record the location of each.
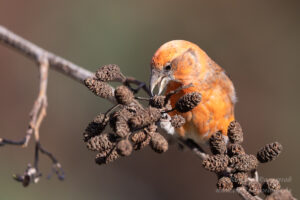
(158, 79)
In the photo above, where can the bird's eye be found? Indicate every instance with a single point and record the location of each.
(167, 68)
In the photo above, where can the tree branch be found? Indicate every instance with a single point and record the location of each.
(36, 53)
(245, 194)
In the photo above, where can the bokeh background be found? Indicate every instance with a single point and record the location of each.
(257, 42)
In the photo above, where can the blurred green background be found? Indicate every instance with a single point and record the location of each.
(257, 42)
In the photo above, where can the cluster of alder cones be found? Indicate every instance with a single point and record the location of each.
(235, 168)
(133, 127)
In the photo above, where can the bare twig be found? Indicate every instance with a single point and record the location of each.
(38, 111)
(199, 151)
(254, 174)
(171, 93)
(56, 167)
(140, 85)
(142, 98)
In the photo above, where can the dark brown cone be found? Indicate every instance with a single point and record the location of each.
(239, 178)
(101, 142)
(140, 139)
(235, 149)
(158, 143)
(92, 130)
(269, 152)
(154, 114)
(235, 132)
(125, 112)
(187, 102)
(121, 128)
(139, 121)
(109, 73)
(123, 95)
(217, 143)
(216, 163)
(138, 136)
(270, 185)
(106, 157)
(177, 121)
(281, 195)
(101, 158)
(134, 109)
(124, 147)
(95, 127)
(101, 118)
(149, 116)
(157, 101)
(150, 129)
(253, 187)
(224, 184)
(243, 162)
(112, 156)
(99, 88)
(119, 120)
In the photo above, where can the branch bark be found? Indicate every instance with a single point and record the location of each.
(36, 53)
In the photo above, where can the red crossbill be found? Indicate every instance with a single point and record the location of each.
(179, 63)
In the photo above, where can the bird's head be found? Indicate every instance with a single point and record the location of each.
(177, 61)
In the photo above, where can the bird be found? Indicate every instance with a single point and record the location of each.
(180, 63)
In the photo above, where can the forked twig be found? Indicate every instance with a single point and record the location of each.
(140, 85)
(38, 111)
(37, 116)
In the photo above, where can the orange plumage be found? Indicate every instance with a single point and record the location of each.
(180, 62)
